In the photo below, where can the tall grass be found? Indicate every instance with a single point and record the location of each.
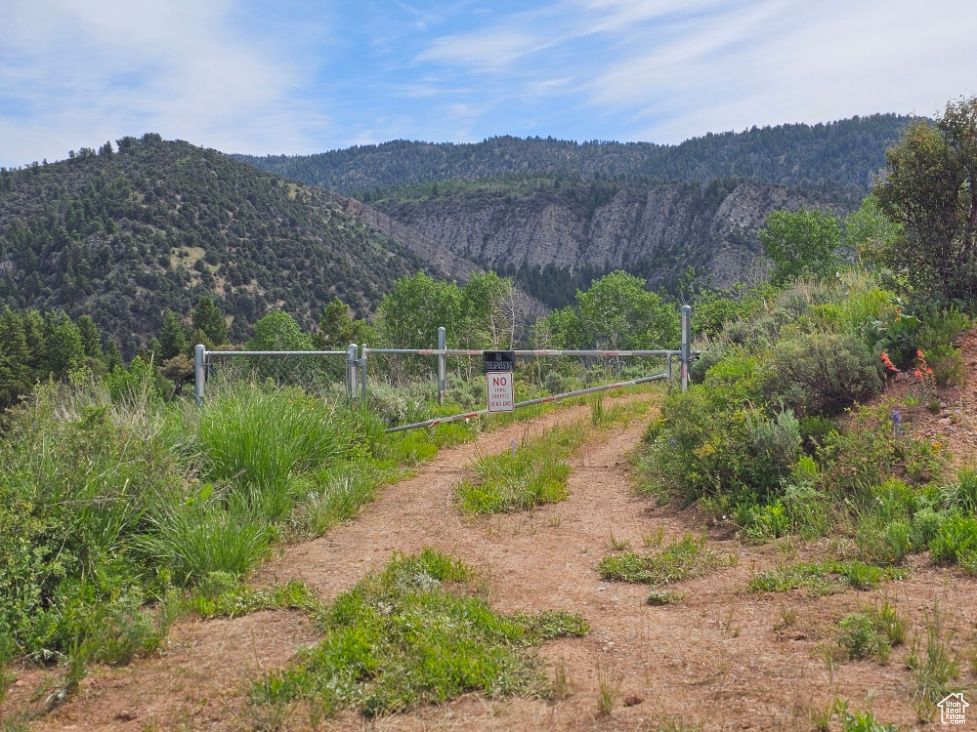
(263, 439)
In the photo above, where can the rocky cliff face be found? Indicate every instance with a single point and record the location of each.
(658, 232)
(430, 250)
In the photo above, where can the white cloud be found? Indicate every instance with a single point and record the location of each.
(86, 72)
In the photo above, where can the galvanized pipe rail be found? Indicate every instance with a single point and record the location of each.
(529, 402)
(358, 356)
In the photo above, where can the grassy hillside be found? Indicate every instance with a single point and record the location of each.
(124, 235)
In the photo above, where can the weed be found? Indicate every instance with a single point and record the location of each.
(824, 578)
(821, 715)
(338, 492)
(226, 597)
(562, 683)
(860, 638)
(726, 625)
(677, 561)
(655, 538)
(664, 597)
(856, 721)
(533, 474)
(619, 544)
(933, 664)
(608, 689)
(788, 616)
(404, 637)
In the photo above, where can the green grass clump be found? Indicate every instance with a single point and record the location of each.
(528, 475)
(415, 634)
(856, 721)
(677, 561)
(823, 578)
(336, 493)
(223, 595)
(664, 597)
(860, 638)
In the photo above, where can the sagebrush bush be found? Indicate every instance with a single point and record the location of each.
(822, 374)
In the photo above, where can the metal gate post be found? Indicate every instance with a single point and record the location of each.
(363, 374)
(199, 373)
(686, 344)
(442, 358)
(351, 353)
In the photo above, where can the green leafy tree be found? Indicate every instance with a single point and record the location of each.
(870, 233)
(208, 318)
(617, 312)
(930, 189)
(801, 243)
(412, 312)
(278, 331)
(488, 312)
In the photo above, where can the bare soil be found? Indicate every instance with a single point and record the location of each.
(721, 659)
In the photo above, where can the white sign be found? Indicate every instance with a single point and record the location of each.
(501, 396)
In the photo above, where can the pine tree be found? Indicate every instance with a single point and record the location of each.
(15, 374)
(208, 318)
(91, 339)
(63, 349)
(172, 339)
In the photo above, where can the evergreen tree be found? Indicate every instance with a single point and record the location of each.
(208, 318)
(91, 339)
(172, 339)
(15, 374)
(63, 348)
(336, 328)
(113, 356)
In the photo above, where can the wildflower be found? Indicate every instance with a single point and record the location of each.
(935, 447)
(918, 374)
(888, 363)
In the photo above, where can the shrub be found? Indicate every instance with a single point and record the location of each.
(860, 638)
(77, 478)
(822, 374)
(925, 526)
(712, 442)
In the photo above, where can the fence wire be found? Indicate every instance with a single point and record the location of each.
(317, 372)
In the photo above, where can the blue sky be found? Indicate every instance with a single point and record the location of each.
(261, 76)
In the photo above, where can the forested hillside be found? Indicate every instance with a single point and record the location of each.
(845, 153)
(124, 235)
